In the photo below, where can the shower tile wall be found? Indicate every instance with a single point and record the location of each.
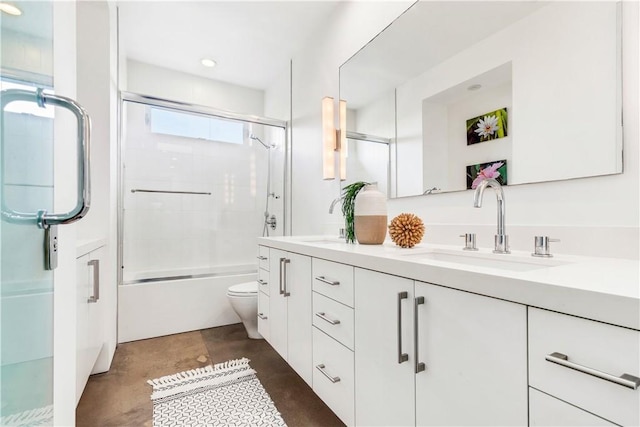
(168, 234)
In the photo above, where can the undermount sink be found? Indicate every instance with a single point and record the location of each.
(499, 261)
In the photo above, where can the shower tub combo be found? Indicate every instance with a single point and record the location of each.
(198, 186)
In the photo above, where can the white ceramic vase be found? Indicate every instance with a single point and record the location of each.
(370, 216)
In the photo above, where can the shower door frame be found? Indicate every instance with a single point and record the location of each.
(153, 101)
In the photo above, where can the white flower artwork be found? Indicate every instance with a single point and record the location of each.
(487, 126)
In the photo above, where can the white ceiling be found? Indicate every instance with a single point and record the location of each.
(252, 41)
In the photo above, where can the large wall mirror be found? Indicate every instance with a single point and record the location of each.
(522, 91)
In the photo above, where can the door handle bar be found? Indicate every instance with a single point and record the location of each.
(41, 217)
(402, 357)
(419, 366)
(95, 263)
(624, 380)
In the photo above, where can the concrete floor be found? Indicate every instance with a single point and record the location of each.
(120, 397)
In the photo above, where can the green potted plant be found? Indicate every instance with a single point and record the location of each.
(349, 194)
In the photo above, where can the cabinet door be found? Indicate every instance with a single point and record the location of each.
(83, 363)
(475, 354)
(299, 311)
(277, 304)
(384, 381)
(90, 323)
(545, 410)
(96, 329)
(263, 315)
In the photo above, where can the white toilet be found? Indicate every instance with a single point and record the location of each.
(244, 300)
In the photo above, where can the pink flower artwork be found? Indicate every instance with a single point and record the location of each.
(487, 173)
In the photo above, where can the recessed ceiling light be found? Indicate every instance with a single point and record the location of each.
(474, 87)
(208, 62)
(10, 9)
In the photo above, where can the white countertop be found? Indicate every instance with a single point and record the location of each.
(603, 289)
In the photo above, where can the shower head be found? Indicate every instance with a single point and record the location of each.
(252, 136)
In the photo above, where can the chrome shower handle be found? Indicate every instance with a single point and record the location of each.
(42, 218)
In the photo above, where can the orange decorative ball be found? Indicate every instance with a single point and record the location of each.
(406, 230)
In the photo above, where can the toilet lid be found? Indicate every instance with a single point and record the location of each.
(244, 289)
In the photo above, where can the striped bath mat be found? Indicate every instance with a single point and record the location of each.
(226, 394)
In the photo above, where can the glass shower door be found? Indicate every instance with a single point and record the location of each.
(26, 168)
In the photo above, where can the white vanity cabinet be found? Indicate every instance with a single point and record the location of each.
(465, 353)
(475, 353)
(263, 292)
(583, 363)
(289, 318)
(89, 330)
(397, 342)
(384, 356)
(333, 337)
(547, 411)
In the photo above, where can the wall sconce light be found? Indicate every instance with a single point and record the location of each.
(333, 139)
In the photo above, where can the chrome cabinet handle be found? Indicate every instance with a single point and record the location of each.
(327, 281)
(324, 317)
(625, 380)
(321, 368)
(402, 357)
(262, 316)
(262, 282)
(418, 365)
(43, 219)
(95, 263)
(262, 258)
(283, 277)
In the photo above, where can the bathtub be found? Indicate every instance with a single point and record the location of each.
(26, 356)
(152, 304)
(27, 321)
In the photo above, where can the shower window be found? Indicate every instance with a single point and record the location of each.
(190, 206)
(189, 125)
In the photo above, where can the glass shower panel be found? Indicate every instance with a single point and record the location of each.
(196, 190)
(26, 170)
(368, 161)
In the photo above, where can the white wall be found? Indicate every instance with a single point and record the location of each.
(315, 75)
(598, 216)
(551, 89)
(147, 79)
(97, 91)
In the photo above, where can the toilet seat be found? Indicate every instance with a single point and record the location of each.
(247, 289)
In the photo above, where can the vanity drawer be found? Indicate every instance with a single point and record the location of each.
(333, 379)
(335, 319)
(263, 257)
(263, 315)
(263, 281)
(333, 280)
(547, 411)
(589, 345)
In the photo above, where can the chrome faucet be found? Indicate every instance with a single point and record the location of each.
(501, 239)
(334, 203)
